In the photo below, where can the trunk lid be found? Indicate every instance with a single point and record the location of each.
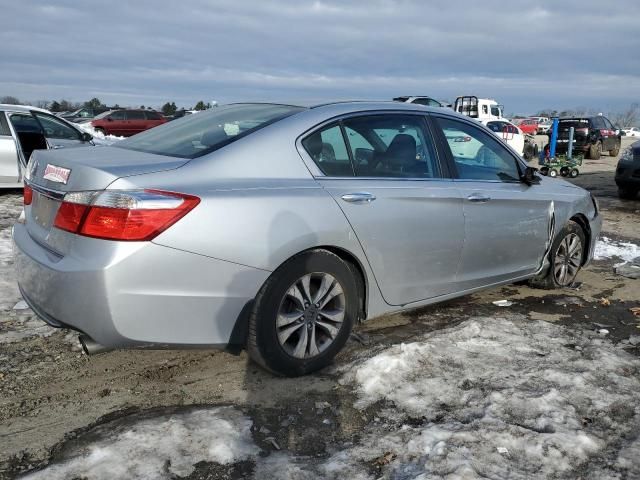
(580, 134)
(52, 173)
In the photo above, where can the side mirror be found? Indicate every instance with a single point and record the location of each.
(86, 137)
(109, 119)
(529, 176)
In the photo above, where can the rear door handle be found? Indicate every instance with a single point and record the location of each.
(358, 197)
(56, 147)
(478, 198)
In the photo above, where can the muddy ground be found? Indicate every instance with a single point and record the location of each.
(54, 399)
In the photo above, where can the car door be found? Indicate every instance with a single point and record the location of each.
(29, 134)
(383, 172)
(136, 121)
(507, 222)
(612, 136)
(9, 163)
(116, 123)
(58, 133)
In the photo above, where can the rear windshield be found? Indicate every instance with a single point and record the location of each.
(574, 122)
(196, 135)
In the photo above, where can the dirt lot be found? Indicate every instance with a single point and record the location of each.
(545, 388)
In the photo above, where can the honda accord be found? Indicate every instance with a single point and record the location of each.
(276, 228)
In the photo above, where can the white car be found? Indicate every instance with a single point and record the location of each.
(631, 131)
(508, 133)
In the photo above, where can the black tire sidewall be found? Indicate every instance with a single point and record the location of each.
(268, 304)
(570, 227)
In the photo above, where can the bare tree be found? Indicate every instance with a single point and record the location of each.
(10, 100)
(41, 104)
(628, 117)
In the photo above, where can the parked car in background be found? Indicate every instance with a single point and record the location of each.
(420, 100)
(528, 125)
(541, 119)
(628, 172)
(544, 127)
(127, 122)
(82, 114)
(514, 137)
(280, 227)
(592, 136)
(631, 131)
(24, 129)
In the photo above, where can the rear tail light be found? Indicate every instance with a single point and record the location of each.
(136, 215)
(27, 195)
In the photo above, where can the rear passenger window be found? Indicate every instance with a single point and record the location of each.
(328, 150)
(4, 125)
(152, 116)
(391, 146)
(135, 115)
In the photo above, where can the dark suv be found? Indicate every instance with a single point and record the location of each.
(592, 136)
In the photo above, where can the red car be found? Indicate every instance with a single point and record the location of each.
(529, 125)
(127, 122)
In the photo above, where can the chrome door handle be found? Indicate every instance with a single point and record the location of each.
(478, 198)
(56, 147)
(358, 197)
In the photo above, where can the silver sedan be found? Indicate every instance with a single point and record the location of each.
(277, 227)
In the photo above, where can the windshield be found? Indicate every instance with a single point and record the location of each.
(196, 135)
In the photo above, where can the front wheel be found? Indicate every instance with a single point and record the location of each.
(565, 258)
(614, 152)
(303, 315)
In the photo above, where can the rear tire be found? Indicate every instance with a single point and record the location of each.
(293, 347)
(565, 259)
(614, 152)
(595, 151)
(564, 171)
(553, 173)
(544, 170)
(627, 193)
(574, 172)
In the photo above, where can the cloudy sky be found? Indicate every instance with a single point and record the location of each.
(526, 54)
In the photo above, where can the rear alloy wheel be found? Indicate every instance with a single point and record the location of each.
(595, 151)
(303, 314)
(565, 259)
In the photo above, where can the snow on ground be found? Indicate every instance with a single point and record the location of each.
(99, 138)
(160, 447)
(607, 248)
(502, 397)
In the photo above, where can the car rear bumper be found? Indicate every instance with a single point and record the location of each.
(135, 293)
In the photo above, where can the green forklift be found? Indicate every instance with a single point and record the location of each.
(553, 165)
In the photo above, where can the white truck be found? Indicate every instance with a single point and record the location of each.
(482, 109)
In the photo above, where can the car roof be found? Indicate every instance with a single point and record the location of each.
(363, 105)
(21, 108)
